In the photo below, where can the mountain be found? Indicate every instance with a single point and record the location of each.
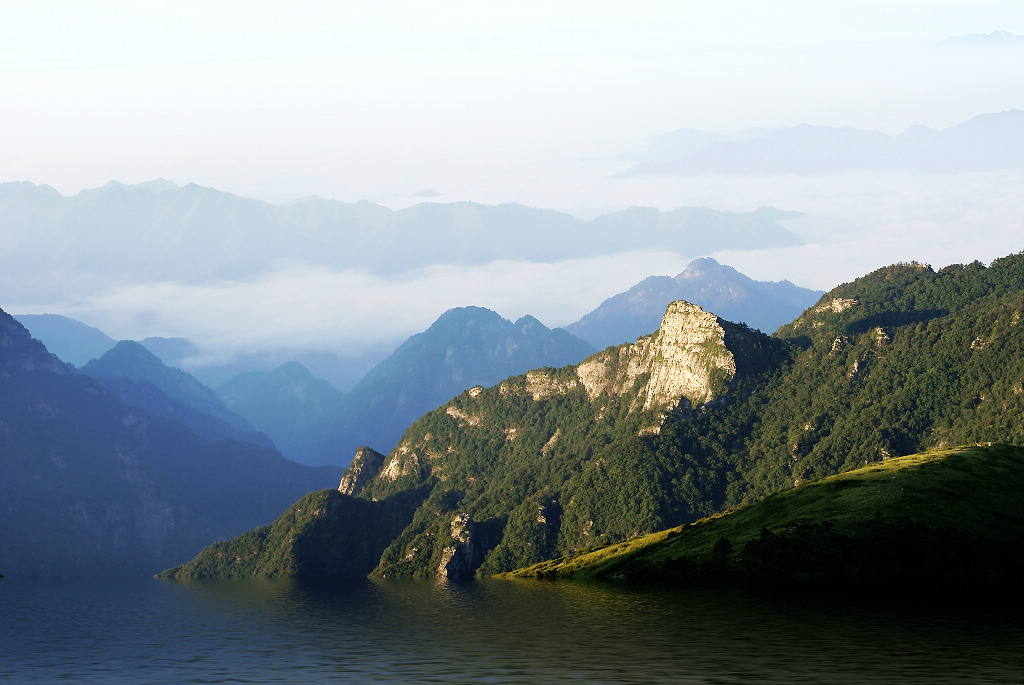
(77, 343)
(142, 380)
(721, 289)
(194, 235)
(697, 418)
(464, 347)
(993, 39)
(501, 475)
(985, 142)
(171, 351)
(946, 516)
(73, 341)
(92, 486)
(284, 403)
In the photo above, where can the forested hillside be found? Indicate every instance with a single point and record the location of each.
(702, 416)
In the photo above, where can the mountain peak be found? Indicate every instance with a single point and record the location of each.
(126, 358)
(19, 351)
(687, 358)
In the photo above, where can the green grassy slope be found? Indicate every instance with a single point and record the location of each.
(940, 516)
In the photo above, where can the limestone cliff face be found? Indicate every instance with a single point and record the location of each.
(688, 358)
(365, 466)
(685, 359)
(462, 556)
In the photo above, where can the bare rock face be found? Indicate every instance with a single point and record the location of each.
(686, 358)
(365, 466)
(689, 357)
(463, 556)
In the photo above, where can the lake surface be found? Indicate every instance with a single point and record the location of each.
(285, 631)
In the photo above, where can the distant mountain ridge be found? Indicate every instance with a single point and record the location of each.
(143, 380)
(715, 287)
(92, 486)
(194, 234)
(464, 347)
(285, 403)
(71, 340)
(985, 142)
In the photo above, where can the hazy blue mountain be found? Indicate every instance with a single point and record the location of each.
(993, 39)
(73, 341)
(77, 343)
(284, 403)
(135, 373)
(985, 142)
(171, 351)
(93, 486)
(717, 288)
(194, 234)
(341, 370)
(465, 347)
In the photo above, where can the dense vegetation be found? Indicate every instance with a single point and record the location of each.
(953, 515)
(900, 361)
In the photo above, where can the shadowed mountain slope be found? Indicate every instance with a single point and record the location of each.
(947, 516)
(92, 486)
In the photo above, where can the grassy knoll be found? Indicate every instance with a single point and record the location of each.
(944, 516)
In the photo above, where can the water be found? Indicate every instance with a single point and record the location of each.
(285, 631)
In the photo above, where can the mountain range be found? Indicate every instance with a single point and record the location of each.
(699, 417)
(466, 346)
(142, 380)
(985, 142)
(312, 422)
(193, 234)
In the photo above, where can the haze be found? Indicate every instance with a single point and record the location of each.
(537, 103)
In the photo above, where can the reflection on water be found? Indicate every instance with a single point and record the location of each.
(494, 632)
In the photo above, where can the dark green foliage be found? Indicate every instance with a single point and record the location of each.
(322, 536)
(948, 517)
(900, 361)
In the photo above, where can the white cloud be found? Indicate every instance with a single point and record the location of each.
(310, 307)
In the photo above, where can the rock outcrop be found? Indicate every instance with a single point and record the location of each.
(463, 555)
(365, 466)
(687, 358)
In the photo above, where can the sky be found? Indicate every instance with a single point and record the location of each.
(533, 102)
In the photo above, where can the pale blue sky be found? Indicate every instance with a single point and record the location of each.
(477, 99)
(531, 102)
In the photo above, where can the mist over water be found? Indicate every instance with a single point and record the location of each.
(256, 631)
